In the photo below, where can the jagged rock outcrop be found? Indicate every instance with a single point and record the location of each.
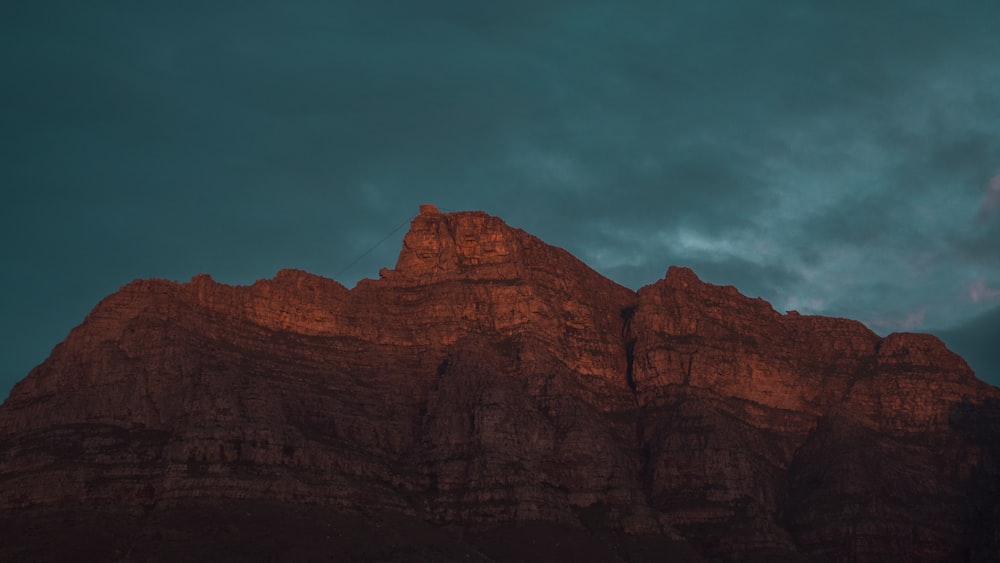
(492, 398)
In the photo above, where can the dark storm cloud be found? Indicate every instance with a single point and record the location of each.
(833, 158)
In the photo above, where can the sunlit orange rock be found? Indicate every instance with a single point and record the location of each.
(492, 398)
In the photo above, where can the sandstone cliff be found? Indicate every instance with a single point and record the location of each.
(492, 398)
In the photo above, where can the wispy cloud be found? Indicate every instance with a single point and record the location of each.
(909, 320)
(979, 291)
(991, 201)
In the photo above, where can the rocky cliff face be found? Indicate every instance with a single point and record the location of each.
(492, 398)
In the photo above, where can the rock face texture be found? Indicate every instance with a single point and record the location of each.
(492, 399)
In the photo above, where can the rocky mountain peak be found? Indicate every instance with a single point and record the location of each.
(496, 385)
(465, 245)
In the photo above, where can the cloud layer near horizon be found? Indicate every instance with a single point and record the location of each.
(834, 159)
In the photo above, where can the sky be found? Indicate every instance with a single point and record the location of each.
(836, 158)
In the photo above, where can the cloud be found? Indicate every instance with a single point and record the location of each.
(906, 321)
(979, 291)
(991, 201)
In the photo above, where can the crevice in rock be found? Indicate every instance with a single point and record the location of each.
(627, 313)
(687, 372)
(629, 361)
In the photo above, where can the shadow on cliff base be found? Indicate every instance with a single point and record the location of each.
(979, 425)
(244, 531)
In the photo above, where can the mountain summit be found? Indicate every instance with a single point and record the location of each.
(492, 398)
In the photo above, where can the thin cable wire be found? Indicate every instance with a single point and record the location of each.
(372, 249)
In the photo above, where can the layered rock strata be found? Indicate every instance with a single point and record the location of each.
(494, 393)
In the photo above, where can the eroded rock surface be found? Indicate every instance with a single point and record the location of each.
(498, 392)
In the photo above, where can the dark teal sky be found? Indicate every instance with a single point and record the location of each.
(832, 157)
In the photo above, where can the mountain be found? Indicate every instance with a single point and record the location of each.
(492, 398)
